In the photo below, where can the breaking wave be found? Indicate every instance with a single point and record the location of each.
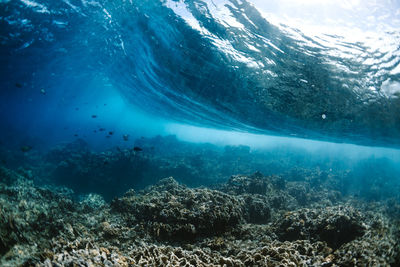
(225, 64)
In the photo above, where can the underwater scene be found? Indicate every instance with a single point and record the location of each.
(199, 133)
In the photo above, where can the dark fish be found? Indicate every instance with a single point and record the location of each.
(105, 162)
(18, 85)
(105, 104)
(76, 108)
(102, 129)
(25, 148)
(94, 131)
(118, 148)
(125, 137)
(137, 149)
(75, 134)
(3, 161)
(108, 136)
(110, 133)
(94, 116)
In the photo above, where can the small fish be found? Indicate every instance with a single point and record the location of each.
(105, 162)
(75, 135)
(42, 91)
(105, 104)
(119, 149)
(108, 136)
(111, 133)
(25, 148)
(94, 116)
(76, 108)
(102, 129)
(137, 149)
(18, 85)
(125, 137)
(94, 131)
(3, 161)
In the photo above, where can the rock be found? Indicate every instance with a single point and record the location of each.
(335, 225)
(170, 210)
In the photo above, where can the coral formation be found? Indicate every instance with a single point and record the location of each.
(173, 211)
(335, 225)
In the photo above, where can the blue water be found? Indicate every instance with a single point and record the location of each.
(142, 68)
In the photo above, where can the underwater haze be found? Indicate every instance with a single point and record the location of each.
(199, 133)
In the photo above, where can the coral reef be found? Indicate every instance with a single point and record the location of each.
(298, 253)
(297, 217)
(30, 216)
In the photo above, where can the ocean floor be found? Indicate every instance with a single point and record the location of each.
(304, 216)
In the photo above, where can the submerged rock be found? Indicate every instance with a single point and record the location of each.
(263, 195)
(257, 209)
(335, 225)
(254, 184)
(173, 211)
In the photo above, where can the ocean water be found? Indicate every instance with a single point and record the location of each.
(279, 122)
